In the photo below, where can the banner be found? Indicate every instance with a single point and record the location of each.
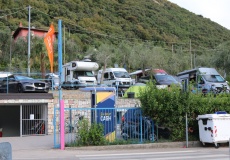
(49, 45)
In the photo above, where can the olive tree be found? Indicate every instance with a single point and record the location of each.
(221, 58)
(103, 54)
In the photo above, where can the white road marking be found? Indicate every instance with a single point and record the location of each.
(123, 154)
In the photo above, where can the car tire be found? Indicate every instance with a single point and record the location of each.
(20, 88)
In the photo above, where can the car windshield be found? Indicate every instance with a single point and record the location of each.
(84, 73)
(165, 78)
(22, 78)
(214, 78)
(120, 74)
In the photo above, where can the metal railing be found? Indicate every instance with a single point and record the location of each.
(119, 124)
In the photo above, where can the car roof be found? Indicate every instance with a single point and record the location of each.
(5, 74)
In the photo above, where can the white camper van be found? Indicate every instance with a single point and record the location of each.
(206, 79)
(115, 77)
(78, 74)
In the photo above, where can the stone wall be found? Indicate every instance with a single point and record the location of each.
(83, 100)
(75, 99)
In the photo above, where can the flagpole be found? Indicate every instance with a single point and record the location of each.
(28, 69)
(61, 102)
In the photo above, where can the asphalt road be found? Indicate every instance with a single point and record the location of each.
(200, 153)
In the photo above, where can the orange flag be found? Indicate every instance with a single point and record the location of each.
(49, 45)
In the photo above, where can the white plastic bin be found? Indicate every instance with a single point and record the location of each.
(214, 128)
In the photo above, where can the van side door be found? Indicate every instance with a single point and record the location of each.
(200, 82)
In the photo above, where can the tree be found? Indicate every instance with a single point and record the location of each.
(104, 55)
(145, 55)
(221, 58)
(5, 44)
(39, 58)
(19, 55)
(123, 54)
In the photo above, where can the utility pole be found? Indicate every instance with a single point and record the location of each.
(10, 51)
(28, 69)
(190, 51)
(194, 57)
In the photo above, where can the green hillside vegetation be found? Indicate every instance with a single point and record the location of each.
(119, 25)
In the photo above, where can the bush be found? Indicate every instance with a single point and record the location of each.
(169, 107)
(90, 135)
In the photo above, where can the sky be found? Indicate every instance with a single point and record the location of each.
(216, 10)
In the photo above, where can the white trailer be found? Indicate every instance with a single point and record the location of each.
(214, 128)
(77, 74)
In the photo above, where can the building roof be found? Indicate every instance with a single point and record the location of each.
(26, 28)
(20, 27)
(4, 96)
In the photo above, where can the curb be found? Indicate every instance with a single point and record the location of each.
(191, 144)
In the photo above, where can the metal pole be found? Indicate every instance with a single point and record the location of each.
(190, 50)
(20, 120)
(60, 57)
(186, 121)
(10, 50)
(28, 70)
(60, 80)
(64, 44)
(194, 57)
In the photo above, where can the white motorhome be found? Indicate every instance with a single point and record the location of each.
(205, 79)
(115, 77)
(78, 74)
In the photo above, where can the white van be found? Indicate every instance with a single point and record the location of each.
(206, 79)
(115, 77)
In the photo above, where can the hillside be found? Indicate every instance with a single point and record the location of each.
(87, 24)
(92, 22)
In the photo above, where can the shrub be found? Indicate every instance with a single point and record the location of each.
(90, 135)
(169, 107)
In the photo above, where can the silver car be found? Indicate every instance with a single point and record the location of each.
(20, 84)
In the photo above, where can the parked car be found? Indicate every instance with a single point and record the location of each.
(53, 80)
(20, 84)
(161, 79)
(159, 76)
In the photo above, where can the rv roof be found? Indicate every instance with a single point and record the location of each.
(202, 70)
(210, 71)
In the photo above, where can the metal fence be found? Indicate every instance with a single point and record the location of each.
(34, 119)
(119, 124)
